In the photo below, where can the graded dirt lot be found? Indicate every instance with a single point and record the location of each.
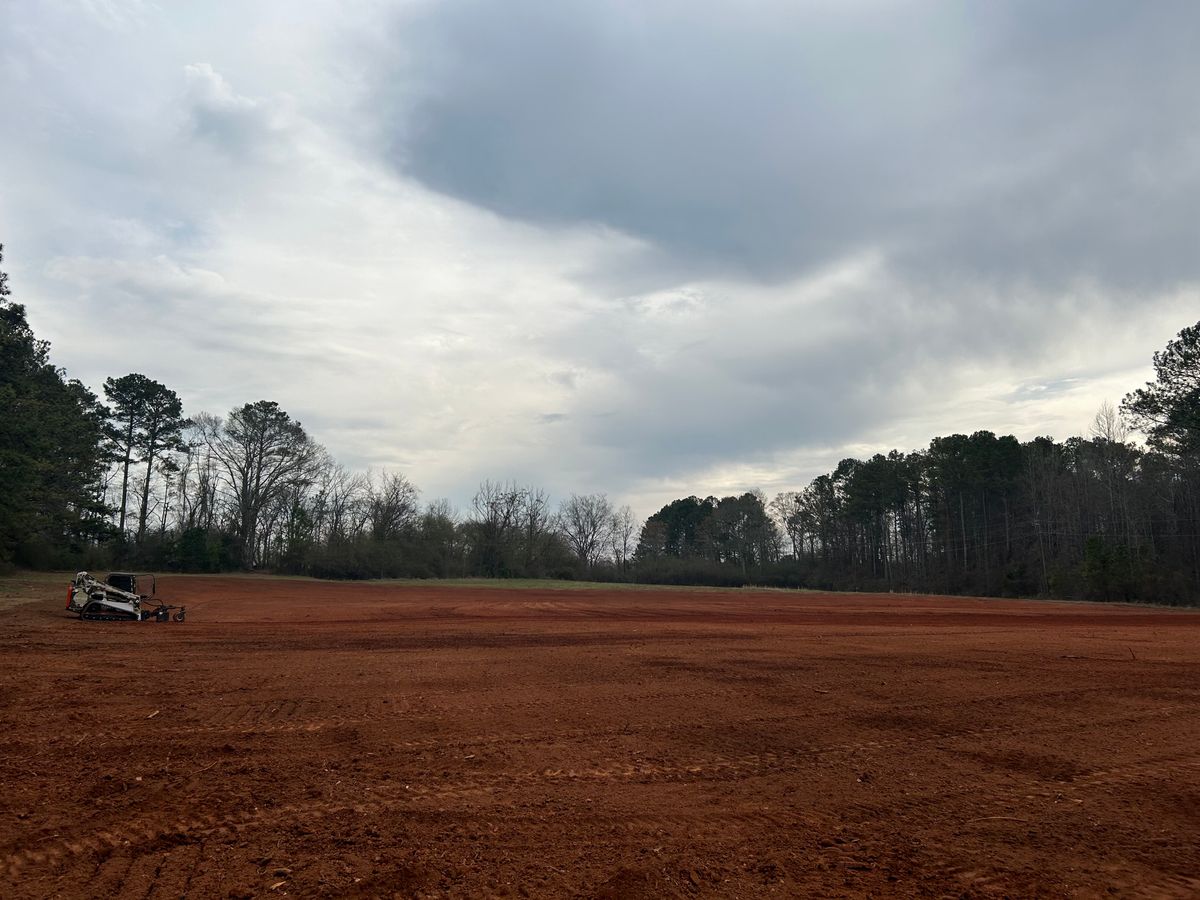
(304, 738)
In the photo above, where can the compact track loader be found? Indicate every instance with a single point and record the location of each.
(117, 599)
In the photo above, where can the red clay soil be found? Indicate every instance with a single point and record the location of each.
(306, 738)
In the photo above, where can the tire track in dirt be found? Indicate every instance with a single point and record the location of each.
(1183, 887)
(304, 715)
(150, 835)
(138, 851)
(903, 741)
(109, 877)
(143, 870)
(309, 715)
(265, 713)
(174, 880)
(705, 767)
(1165, 767)
(975, 875)
(152, 832)
(645, 698)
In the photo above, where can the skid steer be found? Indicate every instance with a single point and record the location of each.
(119, 599)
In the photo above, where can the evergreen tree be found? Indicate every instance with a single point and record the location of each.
(51, 450)
(127, 408)
(1168, 408)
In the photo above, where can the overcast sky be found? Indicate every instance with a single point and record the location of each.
(648, 248)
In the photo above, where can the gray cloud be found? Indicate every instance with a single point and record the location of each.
(236, 125)
(749, 381)
(1008, 141)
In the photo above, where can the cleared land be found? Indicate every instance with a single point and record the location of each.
(372, 739)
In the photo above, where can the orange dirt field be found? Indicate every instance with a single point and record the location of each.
(297, 737)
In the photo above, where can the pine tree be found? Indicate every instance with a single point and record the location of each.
(51, 454)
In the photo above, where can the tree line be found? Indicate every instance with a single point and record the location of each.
(1094, 517)
(130, 480)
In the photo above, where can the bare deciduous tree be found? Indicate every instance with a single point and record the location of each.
(621, 531)
(496, 512)
(261, 452)
(442, 539)
(585, 522)
(196, 487)
(1109, 425)
(391, 505)
(536, 527)
(789, 510)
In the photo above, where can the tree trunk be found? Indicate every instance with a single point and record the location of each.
(125, 477)
(144, 511)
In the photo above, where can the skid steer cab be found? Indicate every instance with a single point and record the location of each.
(122, 597)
